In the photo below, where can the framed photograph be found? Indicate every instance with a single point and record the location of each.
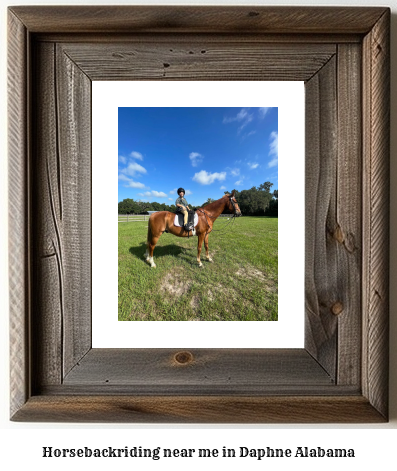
(340, 375)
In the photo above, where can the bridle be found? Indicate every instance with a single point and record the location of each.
(234, 205)
(213, 217)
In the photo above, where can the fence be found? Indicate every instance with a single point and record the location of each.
(133, 217)
(145, 217)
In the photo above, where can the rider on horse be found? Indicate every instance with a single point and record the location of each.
(182, 205)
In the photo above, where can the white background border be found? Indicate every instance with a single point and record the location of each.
(288, 331)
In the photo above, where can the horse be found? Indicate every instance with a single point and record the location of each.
(163, 221)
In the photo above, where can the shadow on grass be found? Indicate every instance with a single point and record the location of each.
(160, 251)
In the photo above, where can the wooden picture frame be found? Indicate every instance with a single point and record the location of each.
(342, 54)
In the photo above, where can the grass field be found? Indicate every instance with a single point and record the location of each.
(240, 285)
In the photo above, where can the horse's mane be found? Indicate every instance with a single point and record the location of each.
(210, 205)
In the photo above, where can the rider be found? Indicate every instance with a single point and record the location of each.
(182, 205)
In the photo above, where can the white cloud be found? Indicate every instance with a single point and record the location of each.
(239, 182)
(253, 165)
(205, 178)
(263, 111)
(222, 187)
(157, 194)
(188, 192)
(123, 178)
(134, 168)
(251, 133)
(136, 155)
(246, 122)
(173, 191)
(122, 159)
(242, 117)
(135, 185)
(130, 183)
(273, 152)
(171, 199)
(235, 172)
(195, 158)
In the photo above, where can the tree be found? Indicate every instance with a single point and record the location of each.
(272, 209)
(209, 200)
(127, 206)
(144, 206)
(265, 186)
(255, 201)
(156, 206)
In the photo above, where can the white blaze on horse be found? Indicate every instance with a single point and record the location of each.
(163, 221)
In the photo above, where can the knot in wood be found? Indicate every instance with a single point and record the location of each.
(337, 308)
(183, 358)
(338, 235)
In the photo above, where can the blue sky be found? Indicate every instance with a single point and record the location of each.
(204, 150)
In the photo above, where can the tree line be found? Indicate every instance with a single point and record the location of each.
(257, 201)
(130, 206)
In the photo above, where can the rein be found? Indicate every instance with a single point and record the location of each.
(213, 217)
(233, 218)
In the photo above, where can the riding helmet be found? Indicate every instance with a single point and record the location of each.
(181, 189)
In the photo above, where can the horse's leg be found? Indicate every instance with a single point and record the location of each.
(149, 237)
(206, 248)
(200, 244)
(152, 240)
(152, 245)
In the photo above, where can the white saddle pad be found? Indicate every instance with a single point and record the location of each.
(176, 222)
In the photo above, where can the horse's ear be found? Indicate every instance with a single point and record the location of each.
(232, 193)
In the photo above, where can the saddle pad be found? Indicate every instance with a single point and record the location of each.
(176, 222)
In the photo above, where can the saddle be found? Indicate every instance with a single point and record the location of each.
(192, 220)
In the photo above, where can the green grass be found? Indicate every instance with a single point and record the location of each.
(240, 284)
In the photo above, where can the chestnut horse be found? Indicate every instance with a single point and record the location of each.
(164, 221)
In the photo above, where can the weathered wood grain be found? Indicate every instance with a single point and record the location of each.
(199, 19)
(376, 106)
(347, 226)
(73, 91)
(244, 37)
(321, 261)
(199, 409)
(48, 281)
(223, 59)
(62, 205)
(19, 224)
(250, 368)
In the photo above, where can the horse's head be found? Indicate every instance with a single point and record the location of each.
(233, 205)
